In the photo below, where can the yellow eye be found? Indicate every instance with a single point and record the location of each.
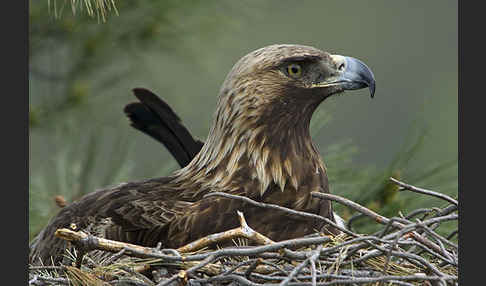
(294, 70)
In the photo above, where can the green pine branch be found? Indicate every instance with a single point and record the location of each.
(98, 8)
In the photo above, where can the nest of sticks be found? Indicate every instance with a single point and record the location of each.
(406, 250)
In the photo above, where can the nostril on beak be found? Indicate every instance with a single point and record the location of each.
(340, 62)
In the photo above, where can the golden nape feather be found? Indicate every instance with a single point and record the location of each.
(259, 146)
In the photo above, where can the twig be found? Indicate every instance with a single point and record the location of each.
(420, 211)
(338, 279)
(243, 231)
(388, 278)
(313, 257)
(388, 256)
(352, 219)
(294, 272)
(47, 267)
(62, 281)
(412, 256)
(127, 281)
(239, 251)
(275, 266)
(312, 261)
(423, 191)
(241, 264)
(284, 209)
(252, 267)
(114, 257)
(313, 272)
(138, 274)
(430, 251)
(388, 226)
(237, 278)
(185, 274)
(101, 243)
(332, 249)
(452, 234)
(435, 235)
(378, 218)
(147, 252)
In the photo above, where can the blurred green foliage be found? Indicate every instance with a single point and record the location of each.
(69, 54)
(81, 46)
(81, 71)
(371, 187)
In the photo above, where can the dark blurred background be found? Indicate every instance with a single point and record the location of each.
(82, 69)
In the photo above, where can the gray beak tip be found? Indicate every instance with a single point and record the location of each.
(360, 75)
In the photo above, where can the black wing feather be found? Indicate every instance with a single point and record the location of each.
(154, 117)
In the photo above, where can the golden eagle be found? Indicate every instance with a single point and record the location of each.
(259, 146)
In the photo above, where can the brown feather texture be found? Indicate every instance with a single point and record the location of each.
(259, 146)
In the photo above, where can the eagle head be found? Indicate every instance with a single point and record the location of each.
(286, 71)
(263, 114)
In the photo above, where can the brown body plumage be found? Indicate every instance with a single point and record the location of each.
(259, 146)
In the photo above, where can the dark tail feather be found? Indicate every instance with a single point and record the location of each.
(154, 117)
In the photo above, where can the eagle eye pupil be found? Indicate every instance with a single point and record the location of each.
(294, 70)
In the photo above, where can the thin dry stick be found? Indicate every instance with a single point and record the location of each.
(366, 280)
(313, 272)
(114, 257)
(243, 231)
(378, 218)
(232, 277)
(405, 186)
(452, 234)
(241, 264)
(294, 272)
(314, 255)
(91, 242)
(136, 273)
(410, 257)
(339, 279)
(239, 251)
(276, 267)
(184, 274)
(252, 267)
(102, 243)
(312, 261)
(284, 209)
(41, 279)
(148, 252)
(389, 254)
(47, 267)
(435, 235)
(388, 226)
(425, 211)
(414, 226)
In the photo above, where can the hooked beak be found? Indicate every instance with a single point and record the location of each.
(351, 74)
